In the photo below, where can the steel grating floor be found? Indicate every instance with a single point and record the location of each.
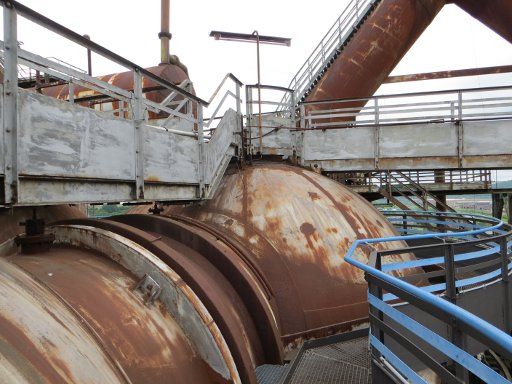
(346, 362)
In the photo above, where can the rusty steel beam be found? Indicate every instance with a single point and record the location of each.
(495, 14)
(375, 49)
(449, 74)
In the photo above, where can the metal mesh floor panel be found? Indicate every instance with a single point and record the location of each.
(270, 374)
(341, 363)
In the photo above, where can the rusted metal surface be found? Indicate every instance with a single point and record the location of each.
(72, 316)
(40, 339)
(213, 289)
(230, 259)
(450, 74)
(175, 295)
(375, 49)
(297, 226)
(10, 219)
(496, 14)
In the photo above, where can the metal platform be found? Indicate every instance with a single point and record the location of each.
(341, 359)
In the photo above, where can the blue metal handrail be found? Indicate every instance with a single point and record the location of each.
(479, 329)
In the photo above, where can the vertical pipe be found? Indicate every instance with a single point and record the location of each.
(165, 35)
(10, 107)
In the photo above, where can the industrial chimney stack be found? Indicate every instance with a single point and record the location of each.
(164, 35)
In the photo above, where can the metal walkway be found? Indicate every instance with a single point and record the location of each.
(342, 362)
(61, 152)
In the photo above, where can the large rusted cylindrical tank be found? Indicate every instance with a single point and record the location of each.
(87, 312)
(376, 48)
(204, 293)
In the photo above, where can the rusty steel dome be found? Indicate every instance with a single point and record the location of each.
(294, 227)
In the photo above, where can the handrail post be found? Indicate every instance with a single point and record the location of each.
(301, 133)
(248, 123)
(200, 152)
(10, 107)
(138, 118)
(71, 91)
(375, 261)
(455, 334)
(239, 118)
(505, 278)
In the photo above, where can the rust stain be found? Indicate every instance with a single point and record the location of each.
(314, 195)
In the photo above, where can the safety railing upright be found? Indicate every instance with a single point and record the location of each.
(220, 105)
(268, 98)
(468, 252)
(340, 31)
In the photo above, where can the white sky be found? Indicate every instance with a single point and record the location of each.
(130, 27)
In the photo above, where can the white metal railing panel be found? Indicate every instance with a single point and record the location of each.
(2, 143)
(58, 139)
(170, 156)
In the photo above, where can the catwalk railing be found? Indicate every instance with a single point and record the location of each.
(467, 128)
(448, 179)
(421, 107)
(342, 29)
(99, 156)
(475, 253)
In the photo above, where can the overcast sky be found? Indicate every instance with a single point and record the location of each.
(130, 27)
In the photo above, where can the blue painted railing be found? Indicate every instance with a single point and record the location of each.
(446, 231)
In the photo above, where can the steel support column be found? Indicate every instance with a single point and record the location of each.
(10, 107)
(497, 205)
(138, 118)
(200, 143)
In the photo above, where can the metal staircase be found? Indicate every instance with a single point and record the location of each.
(414, 195)
(329, 48)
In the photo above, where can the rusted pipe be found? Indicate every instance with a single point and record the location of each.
(375, 48)
(449, 74)
(495, 14)
(164, 34)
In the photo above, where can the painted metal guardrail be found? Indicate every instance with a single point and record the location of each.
(179, 107)
(411, 108)
(344, 26)
(450, 233)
